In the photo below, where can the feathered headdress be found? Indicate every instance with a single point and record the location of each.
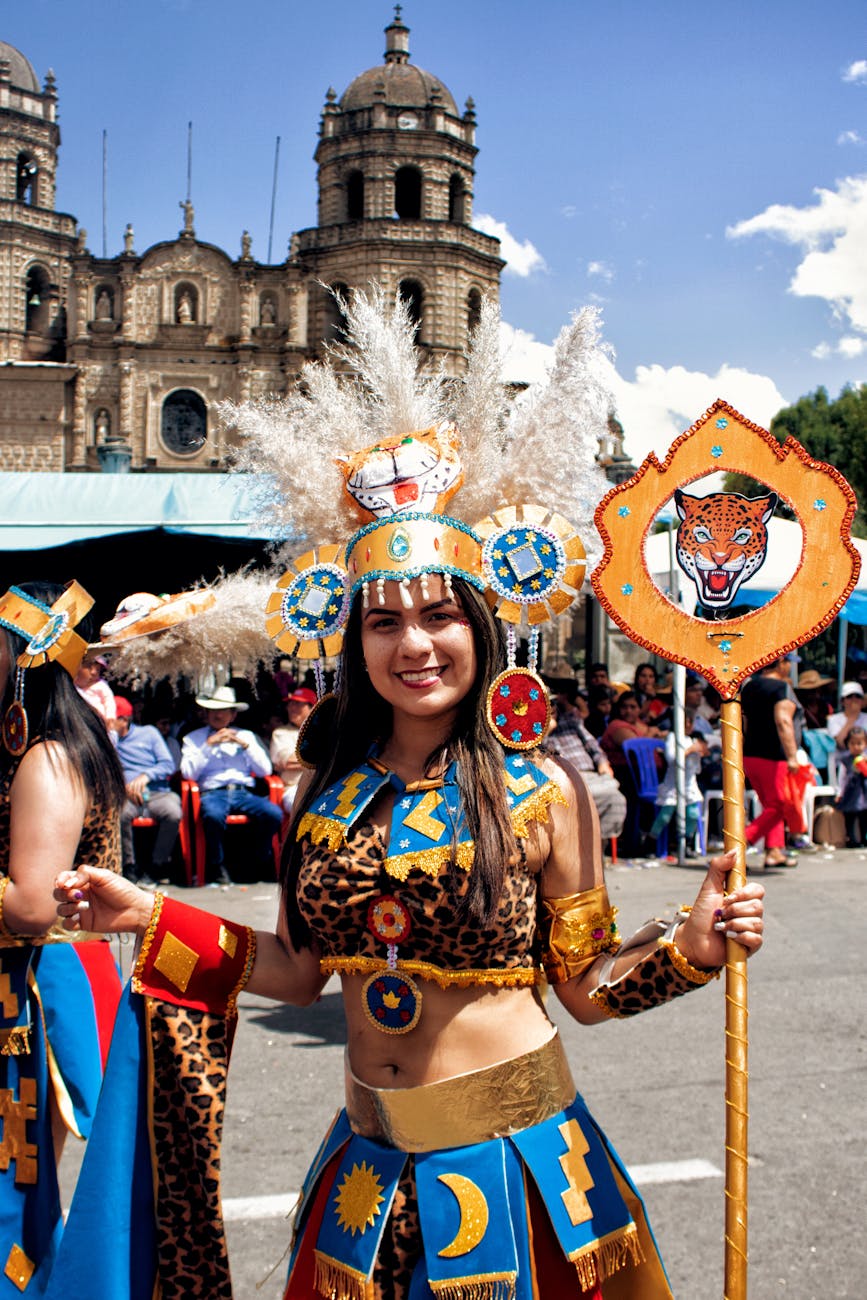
(430, 439)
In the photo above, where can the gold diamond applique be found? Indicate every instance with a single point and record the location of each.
(176, 961)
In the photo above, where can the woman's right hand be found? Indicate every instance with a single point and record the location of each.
(90, 898)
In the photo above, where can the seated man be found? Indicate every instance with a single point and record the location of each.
(147, 766)
(571, 741)
(226, 761)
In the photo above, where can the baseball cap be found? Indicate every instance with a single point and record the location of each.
(850, 688)
(303, 695)
(122, 707)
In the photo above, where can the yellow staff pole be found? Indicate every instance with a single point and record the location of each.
(736, 1015)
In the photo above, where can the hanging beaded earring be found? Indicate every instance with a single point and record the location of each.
(533, 562)
(16, 728)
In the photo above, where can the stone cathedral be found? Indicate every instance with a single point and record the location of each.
(118, 363)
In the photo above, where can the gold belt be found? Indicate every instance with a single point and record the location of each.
(475, 1107)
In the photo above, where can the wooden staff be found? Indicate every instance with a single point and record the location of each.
(737, 1117)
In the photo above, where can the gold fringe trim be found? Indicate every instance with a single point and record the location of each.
(337, 1281)
(535, 808)
(430, 861)
(15, 1041)
(232, 1000)
(679, 962)
(146, 942)
(323, 830)
(596, 1262)
(484, 1286)
(511, 977)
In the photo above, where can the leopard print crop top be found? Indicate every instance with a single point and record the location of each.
(336, 888)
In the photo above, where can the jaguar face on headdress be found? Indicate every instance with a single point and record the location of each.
(410, 471)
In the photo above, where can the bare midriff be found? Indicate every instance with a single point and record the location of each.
(459, 1030)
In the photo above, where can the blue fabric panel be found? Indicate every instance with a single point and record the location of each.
(109, 1246)
(479, 1203)
(70, 1018)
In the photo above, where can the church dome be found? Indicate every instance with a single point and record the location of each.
(405, 85)
(21, 73)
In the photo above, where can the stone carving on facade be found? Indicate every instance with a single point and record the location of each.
(189, 214)
(246, 246)
(185, 310)
(128, 238)
(104, 309)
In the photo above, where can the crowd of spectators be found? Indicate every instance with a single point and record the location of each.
(164, 735)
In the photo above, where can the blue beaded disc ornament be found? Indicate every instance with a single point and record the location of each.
(390, 999)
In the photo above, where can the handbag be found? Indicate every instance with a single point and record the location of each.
(796, 781)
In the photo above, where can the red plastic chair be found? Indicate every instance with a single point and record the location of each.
(191, 820)
(143, 822)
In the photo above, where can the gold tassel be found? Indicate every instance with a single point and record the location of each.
(597, 1262)
(15, 1041)
(490, 1286)
(337, 1281)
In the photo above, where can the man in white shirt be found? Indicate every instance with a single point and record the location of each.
(225, 762)
(851, 714)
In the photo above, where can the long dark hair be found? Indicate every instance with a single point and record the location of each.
(362, 717)
(56, 711)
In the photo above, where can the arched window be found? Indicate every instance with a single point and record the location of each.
(36, 290)
(412, 294)
(335, 320)
(184, 422)
(457, 194)
(27, 172)
(186, 304)
(474, 310)
(407, 193)
(355, 196)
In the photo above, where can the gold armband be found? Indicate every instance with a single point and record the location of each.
(575, 930)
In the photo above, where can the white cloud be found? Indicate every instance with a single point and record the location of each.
(833, 236)
(856, 71)
(849, 137)
(660, 402)
(524, 359)
(604, 270)
(521, 258)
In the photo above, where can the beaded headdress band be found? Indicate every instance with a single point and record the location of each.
(50, 636)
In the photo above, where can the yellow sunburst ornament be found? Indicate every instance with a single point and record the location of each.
(359, 1198)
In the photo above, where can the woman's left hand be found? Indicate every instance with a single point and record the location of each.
(717, 916)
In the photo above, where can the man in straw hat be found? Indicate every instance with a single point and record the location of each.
(226, 761)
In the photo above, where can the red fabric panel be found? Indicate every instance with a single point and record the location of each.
(104, 978)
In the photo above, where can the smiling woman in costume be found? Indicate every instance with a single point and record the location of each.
(441, 868)
(61, 788)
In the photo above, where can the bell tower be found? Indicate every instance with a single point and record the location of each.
(36, 242)
(395, 180)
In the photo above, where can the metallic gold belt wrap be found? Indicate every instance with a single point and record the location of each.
(475, 1107)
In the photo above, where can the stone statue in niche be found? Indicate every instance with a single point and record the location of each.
(267, 312)
(104, 309)
(185, 308)
(102, 425)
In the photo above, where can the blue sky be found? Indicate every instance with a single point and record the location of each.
(699, 171)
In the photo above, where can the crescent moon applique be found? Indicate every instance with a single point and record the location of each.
(474, 1215)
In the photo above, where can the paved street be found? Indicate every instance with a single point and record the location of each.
(656, 1084)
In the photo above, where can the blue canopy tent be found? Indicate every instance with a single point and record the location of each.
(120, 533)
